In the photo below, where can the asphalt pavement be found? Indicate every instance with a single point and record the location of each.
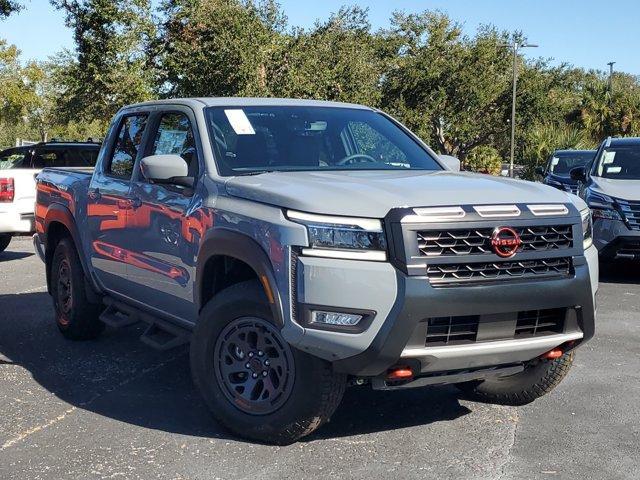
(114, 408)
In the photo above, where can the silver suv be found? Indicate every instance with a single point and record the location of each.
(611, 187)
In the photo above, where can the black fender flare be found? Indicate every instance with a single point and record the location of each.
(61, 214)
(224, 242)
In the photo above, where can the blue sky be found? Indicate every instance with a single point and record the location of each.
(584, 33)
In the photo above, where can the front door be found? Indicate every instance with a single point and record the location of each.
(110, 202)
(162, 219)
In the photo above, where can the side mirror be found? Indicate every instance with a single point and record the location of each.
(579, 174)
(167, 169)
(540, 171)
(452, 163)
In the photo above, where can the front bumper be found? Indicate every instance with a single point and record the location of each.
(38, 247)
(614, 240)
(403, 303)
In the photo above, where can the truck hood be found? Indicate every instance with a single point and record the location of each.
(374, 193)
(622, 189)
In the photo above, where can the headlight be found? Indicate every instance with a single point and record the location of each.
(553, 183)
(587, 228)
(343, 237)
(601, 206)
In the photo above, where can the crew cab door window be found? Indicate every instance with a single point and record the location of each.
(126, 146)
(175, 136)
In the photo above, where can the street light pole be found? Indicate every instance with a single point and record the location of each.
(611, 64)
(515, 46)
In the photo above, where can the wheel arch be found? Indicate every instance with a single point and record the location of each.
(59, 223)
(224, 243)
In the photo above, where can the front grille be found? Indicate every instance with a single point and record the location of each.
(452, 330)
(466, 329)
(482, 272)
(540, 322)
(477, 241)
(631, 213)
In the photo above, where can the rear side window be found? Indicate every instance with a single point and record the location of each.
(127, 145)
(82, 157)
(46, 158)
(13, 159)
(175, 136)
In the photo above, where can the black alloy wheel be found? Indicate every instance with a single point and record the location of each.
(254, 366)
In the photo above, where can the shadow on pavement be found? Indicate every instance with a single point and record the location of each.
(8, 256)
(620, 272)
(118, 377)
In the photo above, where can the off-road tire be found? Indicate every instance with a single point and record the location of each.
(315, 393)
(79, 319)
(5, 240)
(538, 379)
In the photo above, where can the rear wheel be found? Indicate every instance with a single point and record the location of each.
(76, 317)
(5, 240)
(254, 382)
(537, 379)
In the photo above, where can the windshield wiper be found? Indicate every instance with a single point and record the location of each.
(255, 172)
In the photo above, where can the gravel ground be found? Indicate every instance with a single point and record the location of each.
(114, 408)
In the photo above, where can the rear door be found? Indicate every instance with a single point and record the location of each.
(109, 202)
(164, 221)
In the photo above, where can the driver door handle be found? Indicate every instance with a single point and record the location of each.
(127, 203)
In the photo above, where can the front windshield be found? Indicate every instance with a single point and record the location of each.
(562, 163)
(621, 163)
(13, 159)
(248, 140)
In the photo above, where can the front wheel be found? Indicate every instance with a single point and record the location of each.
(537, 379)
(5, 240)
(254, 382)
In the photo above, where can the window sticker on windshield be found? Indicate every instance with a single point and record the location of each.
(608, 157)
(614, 169)
(555, 161)
(239, 122)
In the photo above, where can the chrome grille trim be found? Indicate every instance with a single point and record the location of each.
(497, 211)
(457, 273)
(548, 210)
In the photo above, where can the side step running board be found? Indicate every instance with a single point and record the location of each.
(117, 318)
(160, 334)
(164, 336)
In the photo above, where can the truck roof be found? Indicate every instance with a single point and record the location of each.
(625, 141)
(200, 102)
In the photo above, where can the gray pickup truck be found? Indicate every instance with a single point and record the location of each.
(302, 247)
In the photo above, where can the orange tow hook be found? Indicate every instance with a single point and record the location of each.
(400, 373)
(552, 354)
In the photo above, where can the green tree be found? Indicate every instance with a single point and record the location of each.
(339, 59)
(17, 93)
(216, 47)
(484, 159)
(452, 90)
(110, 66)
(544, 139)
(7, 7)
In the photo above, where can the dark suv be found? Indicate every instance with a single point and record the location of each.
(556, 171)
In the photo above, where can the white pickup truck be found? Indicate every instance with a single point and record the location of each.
(18, 168)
